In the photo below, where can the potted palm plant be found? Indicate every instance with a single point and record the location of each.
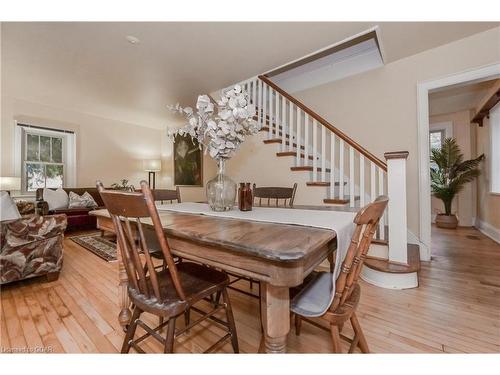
(449, 174)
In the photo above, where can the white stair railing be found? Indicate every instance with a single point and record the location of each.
(353, 175)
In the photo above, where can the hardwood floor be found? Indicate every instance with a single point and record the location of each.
(456, 308)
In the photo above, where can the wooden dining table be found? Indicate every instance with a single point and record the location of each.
(280, 256)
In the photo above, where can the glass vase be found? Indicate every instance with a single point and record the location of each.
(221, 190)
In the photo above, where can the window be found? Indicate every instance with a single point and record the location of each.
(495, 149)
(43, 161)
(436, 138)
(45, 157)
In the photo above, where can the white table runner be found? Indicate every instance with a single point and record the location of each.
(338, 221)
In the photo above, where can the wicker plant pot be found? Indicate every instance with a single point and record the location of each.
(446, 221)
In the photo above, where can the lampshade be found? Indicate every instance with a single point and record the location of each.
(10, 183)
(152, 165)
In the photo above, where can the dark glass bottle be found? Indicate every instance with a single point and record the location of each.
(245, 197)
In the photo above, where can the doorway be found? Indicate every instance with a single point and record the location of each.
(424, 89)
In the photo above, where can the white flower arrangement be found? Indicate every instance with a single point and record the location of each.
(221, 133)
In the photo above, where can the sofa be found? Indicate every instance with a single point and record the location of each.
(78, 218)
(31, 247)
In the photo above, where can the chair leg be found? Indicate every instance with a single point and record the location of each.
(334, 331)
(298, 324)
(129, 336)
(187, 317)
(217, 298)
(230, 320)
(169, 339)
(363, 345)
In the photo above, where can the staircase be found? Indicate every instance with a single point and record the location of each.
(349, 174)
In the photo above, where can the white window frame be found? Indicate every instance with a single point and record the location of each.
(69, 153)
(494, 164)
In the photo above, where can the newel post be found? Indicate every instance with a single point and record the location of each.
(396, 190)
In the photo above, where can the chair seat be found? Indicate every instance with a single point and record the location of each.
(315, 296)
(306, 299)
(198, 282)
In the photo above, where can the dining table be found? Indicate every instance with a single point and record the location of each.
(279, 255)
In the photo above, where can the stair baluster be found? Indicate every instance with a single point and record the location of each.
(298, 137)
(306, 139)
(332, 166)
(264, 110)
(361, 180)
(341, 169)
(373, 192)
(323, 154)
(381, 192)
(284, 123)
(351, 176)
(290, 127)
(260, 91)
(315, 150)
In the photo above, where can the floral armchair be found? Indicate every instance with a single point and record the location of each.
(31, 247)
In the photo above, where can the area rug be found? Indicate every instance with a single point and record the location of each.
(100, 246)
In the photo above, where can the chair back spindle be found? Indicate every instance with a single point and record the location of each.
(126, 210)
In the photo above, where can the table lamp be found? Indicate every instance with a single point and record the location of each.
(152, 166)
(10, 184)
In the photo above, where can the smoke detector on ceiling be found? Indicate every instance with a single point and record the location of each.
(132, 39)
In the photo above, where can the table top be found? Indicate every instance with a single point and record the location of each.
(273, 241)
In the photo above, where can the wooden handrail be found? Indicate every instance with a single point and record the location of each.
(327, 125)
(490, 100)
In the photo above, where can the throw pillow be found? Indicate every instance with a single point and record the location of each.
(90, 199)
(57, 199)
(8, 209)
(81, 201)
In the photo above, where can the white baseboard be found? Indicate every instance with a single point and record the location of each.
(488, 230)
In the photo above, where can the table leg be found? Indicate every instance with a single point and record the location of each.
(125, 314)
(275, 313)
(331, 260)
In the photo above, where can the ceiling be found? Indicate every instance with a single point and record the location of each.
(459, 97)
(91, 67)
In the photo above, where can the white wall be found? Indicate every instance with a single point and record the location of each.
(106, 149)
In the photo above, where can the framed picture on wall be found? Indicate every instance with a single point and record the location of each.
(188, 161)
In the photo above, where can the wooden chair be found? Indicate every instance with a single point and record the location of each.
(162, 195)
(275, 195)
(315, 299)
(168, 293)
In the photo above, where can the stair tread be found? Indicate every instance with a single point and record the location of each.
(292, 153)
(309, 168)
(279, 141)
(383, 265)
(321, 183)
(266, 129)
